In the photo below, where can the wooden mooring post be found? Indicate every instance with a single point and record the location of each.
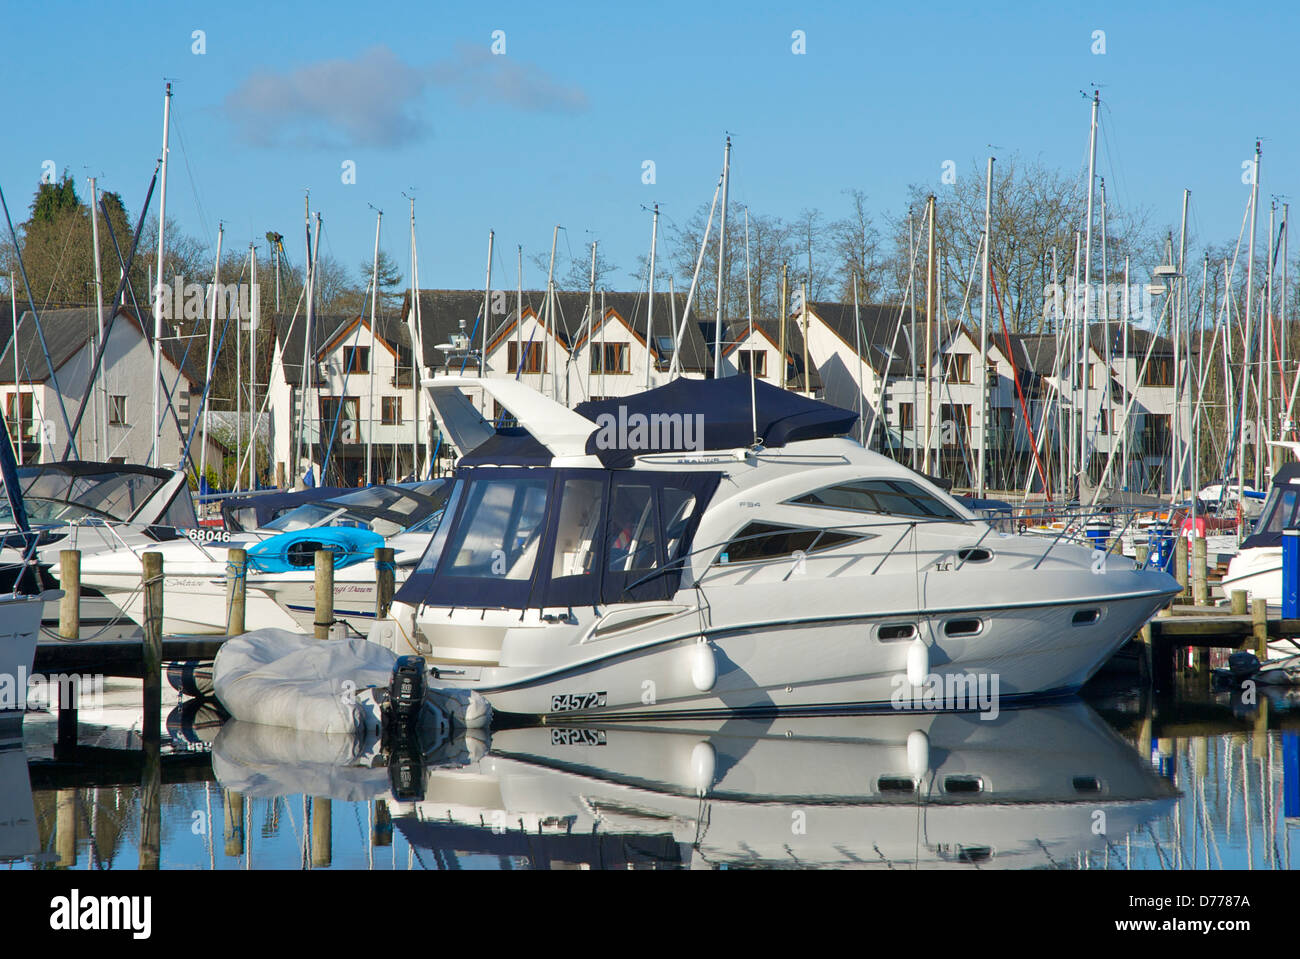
(1200, 579)
(69, 629)
(151, 726)
(1180, 566)
(1238, 602)
(322, 832)
(1259, 627)
(385, 579)
(236, 590)
(324, 593)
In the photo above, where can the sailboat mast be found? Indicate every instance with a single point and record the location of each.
(550, 317)
(1181, 330)
(984, 331)
(650, 308)
(519, 313)
(374, 309)
(18, 395)
(158, 285)
(1087, 285)
(212, 336)
(255, 308)
(722, 261)
(417, 350)
(101, 427)
(591, 327)
(1250, 318)
(929, 333)
(487, 306)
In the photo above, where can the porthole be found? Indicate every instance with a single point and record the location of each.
(1087, 784)
(963, 627)
(974, 554)
(963, 784)
(893, 632)
(1085, 617)
(895, 784)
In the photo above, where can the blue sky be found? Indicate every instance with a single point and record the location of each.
(557, 129)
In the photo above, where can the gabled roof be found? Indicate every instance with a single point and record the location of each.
(443, 311)
(66, 331)
(770, 330)
(291, 334)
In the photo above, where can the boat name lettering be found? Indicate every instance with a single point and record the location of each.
(568, 702)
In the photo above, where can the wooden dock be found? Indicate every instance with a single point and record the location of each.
(118, 657)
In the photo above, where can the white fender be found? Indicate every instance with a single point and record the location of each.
(704, 667)
(704, 761)
(918, 753)
(918, 662)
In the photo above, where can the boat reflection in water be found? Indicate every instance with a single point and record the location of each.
(1032, 788)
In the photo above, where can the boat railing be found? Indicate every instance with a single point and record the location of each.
(1073, 526)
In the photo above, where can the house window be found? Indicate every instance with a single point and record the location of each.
(356, 359)
(391, 410)
(403, 373)
(534, 357)
(348, 420)
(610, 358)
(958, 414)
(755, 360)
(958, 370)
(905, 420)
(1160, 371)
(117, 411)
(21, 426)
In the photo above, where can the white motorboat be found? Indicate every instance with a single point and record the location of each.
(586, 569)
(281, 578)
(96, 507)
(1257, 567)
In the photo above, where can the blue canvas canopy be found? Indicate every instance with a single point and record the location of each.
(240, 513)
(297, 550)
(720, 411)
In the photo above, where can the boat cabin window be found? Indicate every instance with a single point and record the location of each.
(53, 495)
(578, 527)
(890, 497)
(760, 541)
(1279, 511)
(500, 530)
(632, 529)
(180, 512)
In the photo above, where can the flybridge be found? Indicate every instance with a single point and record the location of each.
(685, 415)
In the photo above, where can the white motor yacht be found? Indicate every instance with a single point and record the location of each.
(281, 577)
(96, 507)
(760, 561)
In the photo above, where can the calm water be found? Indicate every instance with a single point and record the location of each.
(1113, 782)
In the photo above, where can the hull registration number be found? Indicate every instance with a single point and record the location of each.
(568, 702)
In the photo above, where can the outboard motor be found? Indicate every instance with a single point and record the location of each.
(1242, 665)
(401, 738)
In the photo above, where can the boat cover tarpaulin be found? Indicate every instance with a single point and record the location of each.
(722, 408)
(280, 678)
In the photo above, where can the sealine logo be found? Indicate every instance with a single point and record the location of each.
(102, 913)
(657, 431)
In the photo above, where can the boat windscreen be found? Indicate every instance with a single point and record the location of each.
(385, 510)
(58, 497)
